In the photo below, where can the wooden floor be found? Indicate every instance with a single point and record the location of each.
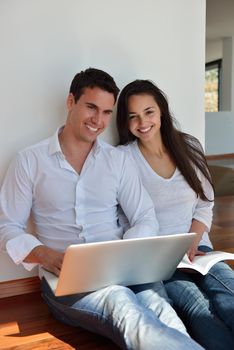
(26, 324)
(222, 231)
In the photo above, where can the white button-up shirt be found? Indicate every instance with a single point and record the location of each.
(67, 207)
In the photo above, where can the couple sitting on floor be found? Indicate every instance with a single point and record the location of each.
(73, 184)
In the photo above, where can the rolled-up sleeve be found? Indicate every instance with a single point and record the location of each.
(204, 209)
(15, 207)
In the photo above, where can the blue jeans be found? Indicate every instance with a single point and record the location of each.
(133, 318)
(206, 304)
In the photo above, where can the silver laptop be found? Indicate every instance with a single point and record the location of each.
(91, 266)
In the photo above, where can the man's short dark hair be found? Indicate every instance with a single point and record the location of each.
(91, 78)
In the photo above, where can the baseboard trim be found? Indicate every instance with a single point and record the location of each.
(220, 156)
(20, 286)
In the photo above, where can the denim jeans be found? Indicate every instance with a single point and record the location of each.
(134, 318)
(206, 304)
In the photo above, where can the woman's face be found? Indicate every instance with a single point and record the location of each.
(144, 117)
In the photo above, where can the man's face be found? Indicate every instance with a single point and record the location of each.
(91, 114)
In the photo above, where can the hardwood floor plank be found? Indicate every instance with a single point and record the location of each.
(31, 344)
(26, 324)
(222, 230)
(20, 286)
(9, 328)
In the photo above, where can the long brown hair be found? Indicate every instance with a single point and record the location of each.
(185, 150)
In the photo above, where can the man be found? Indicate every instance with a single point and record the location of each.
(72, 184)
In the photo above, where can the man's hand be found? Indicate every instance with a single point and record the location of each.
(50, 259)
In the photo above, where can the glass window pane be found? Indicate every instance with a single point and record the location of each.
(212, 85)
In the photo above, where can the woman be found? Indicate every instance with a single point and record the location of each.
(173, 169)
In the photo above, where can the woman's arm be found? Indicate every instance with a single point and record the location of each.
(199, 228)
(202, 216)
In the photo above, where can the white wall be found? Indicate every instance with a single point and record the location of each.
(44, 43)
(219, 133)
(214, 50)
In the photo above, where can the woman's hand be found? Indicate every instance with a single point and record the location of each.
(199, 228)
(193, 251)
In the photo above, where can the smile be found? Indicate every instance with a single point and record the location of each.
(91, 128)
(144, 130)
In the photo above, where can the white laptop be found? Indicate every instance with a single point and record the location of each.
(91, 266)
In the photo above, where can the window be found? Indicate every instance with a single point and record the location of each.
(212, 86)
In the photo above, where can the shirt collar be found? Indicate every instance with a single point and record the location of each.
(54, 145)
(96, 147)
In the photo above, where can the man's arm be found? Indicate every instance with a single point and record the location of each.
(136, 203)
(15, 207)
